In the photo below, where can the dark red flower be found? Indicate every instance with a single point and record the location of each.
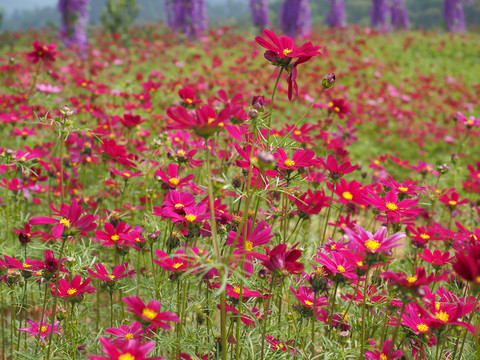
(42, 52)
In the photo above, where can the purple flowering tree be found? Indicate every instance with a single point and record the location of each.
(336, 16)
(399, 15)
(260, 16)
(187, 16)
(379, 15)
(74, 22)
(454, 15)
(295, 17)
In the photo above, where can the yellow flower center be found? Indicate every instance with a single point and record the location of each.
(308, 303)
(347, 195)
(452, 203)
(422, 328)
(383, 356)
(43, 329)
(403, 189)
(188, 101)
(289, 163)
(25, 265)
(442, 315)
(179, 205)
(71, 291)
(210, 120)
(425, 236)
(111, 276)
(411, 279)
(248, 246)
(341, 268)
(127, 175)
(65, 222)
(190, 217)
(126, 356)
(177, 265)
(360, 263)
(129, 336)
(114, 237)
(149, 313)
(173, 181)
(297, 132)
(238, 290)
(286, 51)
(337, 109)
(391, 206)
(477, 279)
(181, 152)
(372, 244)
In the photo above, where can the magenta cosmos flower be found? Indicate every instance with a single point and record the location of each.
(172, 179)
(73, 288)
(373, 243)
(42, 53)
(149, 313)
(245, 242)
(300, 159)
(132, 350)
(43, 330)
(126, 333)
(178, 263)
(118, 272)
(384, 354)
(392, 207)
(70, 220)
(306, 296)
(282, 262)
(336, 172)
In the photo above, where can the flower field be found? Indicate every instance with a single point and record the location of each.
(241, 196)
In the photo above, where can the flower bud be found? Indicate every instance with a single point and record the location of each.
(252, 113)
(266, 160)
(258, 103)
(66, 111)
(328, 81)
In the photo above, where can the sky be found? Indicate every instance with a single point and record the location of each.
(11, 5)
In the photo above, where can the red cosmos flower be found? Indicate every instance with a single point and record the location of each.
(394, 210)
(310, 203)
(29, 264)
(413, 319)
(132, 350)
(306, 296)
(337, 172)
(23, 132)
(421, 235)
(113, 235)
(118, 272)
(467, 265)
(116, 152)
(451, 199)
(175, 201)
(204, 123)
(192, 214)
(280, 345)
(373, 243)
(130, 120)
(71, 220)
(282, 262)
(73, 288)
(411, 282)
(281, 51)
(245, 319)
(351, 192)
(436, 258)
(406, 187)
(234, 292)
(337, 265)
(252, 162)
(27, 234)
(188, 96)
(301, 158)
(149, 313)
(126, 333)
(261, 234)
(13, 185)
(384, 355)
(172, 179)
(35, 329)
(126, 174)
(340, 107)
(179, 263)
(42, 52)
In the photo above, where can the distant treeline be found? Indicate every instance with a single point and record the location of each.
(424, 14)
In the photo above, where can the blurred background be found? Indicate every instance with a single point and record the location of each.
(424, 14)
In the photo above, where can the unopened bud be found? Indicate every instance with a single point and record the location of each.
(252, 113)
(328, 81)
(258, 103)
(66, 111)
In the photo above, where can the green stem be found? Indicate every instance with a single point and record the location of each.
(362, 334)
(395, 333)
(265, 320)
(328, 213)
(271, 108)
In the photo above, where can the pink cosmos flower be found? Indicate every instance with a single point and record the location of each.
(172, 180)
(178, 263)
(300, 159)
(118, 272)
(260, 235)
(411, 282)
(73, 288)
(149, 313)
(45, 329)
(175, 201)
(132, 350)
(437, 258)
(392, 207)
(234, 292)
(71, 220)
(384, 354)
(337, 264)
(306, 297)
(112, 236)
(335, 171)
(282, 262)
(373, 243)
(126, 333)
